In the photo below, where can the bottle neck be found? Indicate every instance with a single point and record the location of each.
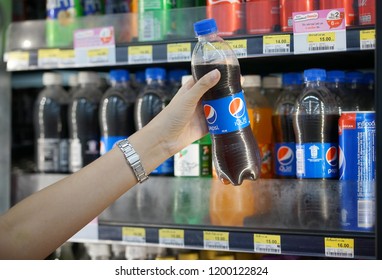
(123, 84)
(155, 82)
(208, 37)
(314, 84)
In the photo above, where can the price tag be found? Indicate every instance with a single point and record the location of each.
(17, 60)
(179, 52)
(239, 47)
(140, 54)
(134, 235)
(276, 44)
(67, 57)
(171, 237)
(367, 39)
(216, 240)
(266, 243)
(339, 247)
(94, 46)
(319, 31)
(48, 57)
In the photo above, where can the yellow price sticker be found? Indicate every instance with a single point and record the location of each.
(136, 232)
(238, 44)
(267, 239)
(216, 236)
(367, 35)
(98, 52)
(140, 50)
(18, 56)
(323, 37)
(171, 233)
(66, 54)
(177, 48)
(48, 53)
(339, 243)
(276, 39)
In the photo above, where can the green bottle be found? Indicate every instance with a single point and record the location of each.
(61, 22)
(187, 11)
(154, 21)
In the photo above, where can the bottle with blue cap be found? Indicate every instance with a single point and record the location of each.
(315, 124)
(175, 79)
(151, 100)
(235, 151)
(368, 103)
(335, 82)
(116, 113)
(282, 122)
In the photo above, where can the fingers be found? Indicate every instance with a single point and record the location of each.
(204, 84)
(189, 84)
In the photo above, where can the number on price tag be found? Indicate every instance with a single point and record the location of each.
(134, 235)
(276, 44)
(339, 247)
(48, 57)
(367, 39)
(216, 240)
(266, 243)
(323, 41)
(239, 47)
(140, 54)
(171, 237)
(179, 52)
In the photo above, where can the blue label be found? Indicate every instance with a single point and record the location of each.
(107, 143)
(317, 160)
(226, 114)
(55, 7)
(285, 154)
(166, 168)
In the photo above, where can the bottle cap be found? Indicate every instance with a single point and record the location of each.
(49, 79)
(135, 253)
(155, 73)
(292, 79)
(272, 82)
(185, 79)
(335, 76)
(206, 26)
(119, 75)
(252, 81)
(315, 75)
(88, 78)
(354, 77)
(368, 78)
(176, 75)
(140, 77)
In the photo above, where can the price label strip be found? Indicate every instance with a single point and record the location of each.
(171, 237)
(339, 247)
(367, 39)
(67, 57)
(213, 240)
(179, 52)
(134, 235)
(239, 47)
(17, 60)
(94, 46)
(276, 44)
(48, 57)
(266, 243)
(319, 31)
(140, 54)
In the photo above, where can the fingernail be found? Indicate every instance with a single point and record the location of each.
(214, 74)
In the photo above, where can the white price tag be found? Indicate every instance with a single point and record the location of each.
(140, 54)
(216, 240)
(171, 237)
(134, 235)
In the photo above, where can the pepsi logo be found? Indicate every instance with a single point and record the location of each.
(210, 113)
(285, 155)
(237, 107)
(342, 162)
(332, 156)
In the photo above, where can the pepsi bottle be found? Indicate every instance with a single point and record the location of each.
(315, 124)
(175, 80)
(84, 131)
(116, 113)
(282, 122)
(234, 148)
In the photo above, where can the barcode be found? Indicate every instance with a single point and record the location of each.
(321, 48)
(98, 59)
(277, 50)
(240, 53)
(300, 161)
(140, 59)
(178, 57)
(330, 253)
(366, 213)
(171, 242)
(216, 246)
(268, 250)
(367, 45)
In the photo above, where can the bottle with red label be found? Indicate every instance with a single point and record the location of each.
(348, 5)
(288, 7)
(366, 12)
(228, 15)
(262, 16)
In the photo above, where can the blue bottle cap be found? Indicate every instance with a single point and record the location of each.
(368, 78)
(292, 79)
(176, 75)
(155, 73)
(315, 74)
(205, 26)
(335, 76)
(140, 77)
(354, 77)
(119, 75)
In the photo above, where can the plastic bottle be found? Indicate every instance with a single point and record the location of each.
(271, 88)
(348, 5)
(235, 152)
(116, 112)
(261, 122)
(315, 125)
(93, 7)
(84, 132)
(175, 80)
(51, 125)
(368, 103)
(150, 101)
(355, 91)
(335, 82)
(73, 84)
(288, 7)
(282, 122)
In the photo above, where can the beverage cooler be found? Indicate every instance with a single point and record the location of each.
(306, 203)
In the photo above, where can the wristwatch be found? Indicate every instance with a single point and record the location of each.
(133, 159)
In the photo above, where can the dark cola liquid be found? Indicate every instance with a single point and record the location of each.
(236, 155)
(283, 131)
(317, 128)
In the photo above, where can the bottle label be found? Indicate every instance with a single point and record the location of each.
(60, 10)
(226, 114)
(75, 155)
(266, 160)
(107, 143)
(187, 161)
(47, 153)
(64, 155)
(285, 164)
(317, 160)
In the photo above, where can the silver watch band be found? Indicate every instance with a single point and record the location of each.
(133, 159)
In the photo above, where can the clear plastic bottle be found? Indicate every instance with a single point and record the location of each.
(315, 125)
(355, 91)
(116, 112)
(368, 102)
(84, 132)
(335, 82)
(235, 151)
(51, 125)
(272, 86)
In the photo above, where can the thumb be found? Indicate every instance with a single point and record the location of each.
(203, 85)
